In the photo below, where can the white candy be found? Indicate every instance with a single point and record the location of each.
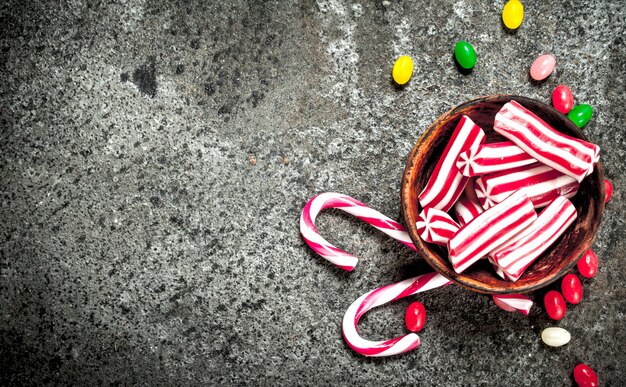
(555, 336)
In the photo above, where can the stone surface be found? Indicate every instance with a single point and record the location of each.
(155, 157)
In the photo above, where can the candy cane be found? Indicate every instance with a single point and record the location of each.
(346, 261)
(380, 296)
(354, 207)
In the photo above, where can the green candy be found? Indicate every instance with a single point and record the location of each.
(465, 54)
(580, 115)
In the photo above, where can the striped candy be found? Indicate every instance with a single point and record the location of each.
(498, 269)
(514, 303)
(446, 183)
(468, 207)
(489, 230)
(542, 184)
(516, 255)
(435, 226)
(571, 156)
(379, 297)
(375, 297)
(490, 158)
(354, 207)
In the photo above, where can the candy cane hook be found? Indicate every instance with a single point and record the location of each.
(354, 207)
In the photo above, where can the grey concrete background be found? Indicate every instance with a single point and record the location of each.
(155, 157)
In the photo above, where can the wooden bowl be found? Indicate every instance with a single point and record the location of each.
(480, 277)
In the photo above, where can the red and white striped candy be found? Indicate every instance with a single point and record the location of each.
(571, 156)
(489, 230)
(499, 270)
(435, 226)
(542, 184)
(379, 297)
(494, 157)
(446, 183)
(516, 256)
(354, 207)
(373, 298)
(513, 303)
(468, 207)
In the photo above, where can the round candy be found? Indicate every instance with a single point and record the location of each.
(555, 305)
(415, 317)
(572, 289)
(402, 70)
(608, 190)
(580, 115)
(562, 99)
(465, 54)
(585, 376)
(513, 14)
(555, 336)
(542, 67)
(588, 264)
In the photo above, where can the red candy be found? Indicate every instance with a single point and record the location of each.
(415, 317)
(562, 99)
(585, 376)
(588, 264)
(608, 190)
(555, 305)
(572, 289)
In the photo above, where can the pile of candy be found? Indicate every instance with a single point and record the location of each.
(480, 202)
(495, 188)
(438, 226)
(415, 317)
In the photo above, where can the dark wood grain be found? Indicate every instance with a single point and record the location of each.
(559, 258)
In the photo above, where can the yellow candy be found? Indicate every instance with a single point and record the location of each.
(402, 70)
(513, 14)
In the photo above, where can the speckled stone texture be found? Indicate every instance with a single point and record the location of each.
(155, 157)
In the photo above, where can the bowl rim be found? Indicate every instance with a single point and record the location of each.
(461, 279)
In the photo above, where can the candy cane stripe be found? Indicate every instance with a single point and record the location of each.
(517, 255)
(347, 262)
